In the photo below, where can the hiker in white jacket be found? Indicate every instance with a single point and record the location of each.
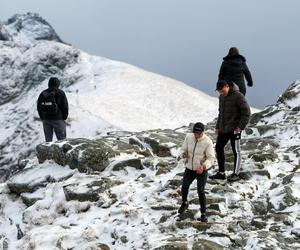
(198, 151)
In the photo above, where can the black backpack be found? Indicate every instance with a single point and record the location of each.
(48, 103)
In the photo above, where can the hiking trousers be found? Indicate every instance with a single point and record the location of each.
(235, 141)
(188, 177)
(56, 126)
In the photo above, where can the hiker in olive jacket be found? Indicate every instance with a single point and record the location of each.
(234, 68)
(198, 152)
(234, 114)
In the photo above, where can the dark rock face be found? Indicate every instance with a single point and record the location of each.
(83, 154)
(34, 25)
(135, 163)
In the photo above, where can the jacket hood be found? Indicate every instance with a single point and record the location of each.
(54, 82)
(234, 57)
(235, 60)
(235, 88)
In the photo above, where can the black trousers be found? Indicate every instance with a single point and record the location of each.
(222, 140)
(188, 177)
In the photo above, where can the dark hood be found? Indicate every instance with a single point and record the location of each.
(234, 60)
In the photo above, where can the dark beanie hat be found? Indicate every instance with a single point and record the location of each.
(198, 127)
(53, 82)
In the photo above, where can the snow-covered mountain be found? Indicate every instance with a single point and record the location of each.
(131, 200)
(121, 190)
(103, 94)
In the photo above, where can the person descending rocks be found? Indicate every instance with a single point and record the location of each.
(198, 152)
(234, 114)
(234, 68)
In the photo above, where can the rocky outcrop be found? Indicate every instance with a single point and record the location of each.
(36, 177)
(132, 182)
(31, 26)
(83, 154)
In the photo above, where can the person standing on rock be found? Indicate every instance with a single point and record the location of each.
(234, 68)
(53, 109)
(198, 152)
(234, 115)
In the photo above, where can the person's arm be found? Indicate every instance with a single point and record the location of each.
(184, 149)
(210, 155)
(245, 112)
(65, 107)
(218, 119)
(39, 107)
(222, 72)
(248, 76)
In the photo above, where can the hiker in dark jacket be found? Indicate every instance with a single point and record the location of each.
(53, 108)
(234, 68)
(234, 114)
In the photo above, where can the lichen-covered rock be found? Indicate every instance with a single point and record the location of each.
(261, 157)
(135, 163)
(206, 245)
(173, 246)
(83, 154)
(87, 188)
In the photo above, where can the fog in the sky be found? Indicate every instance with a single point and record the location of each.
(183, 39)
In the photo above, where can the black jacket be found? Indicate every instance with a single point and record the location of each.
(61, 101)
(234, 111)
(234, 68)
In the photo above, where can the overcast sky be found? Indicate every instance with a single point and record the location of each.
(183, 39)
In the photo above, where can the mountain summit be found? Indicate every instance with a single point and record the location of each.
(103, 94)
(27, 28)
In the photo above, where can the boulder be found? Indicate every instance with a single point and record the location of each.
(206, 245)
(87, 188)
(83, 154)
(173, 246)
(30, 179)
(30, 198)
(134, 162)
(261, 157)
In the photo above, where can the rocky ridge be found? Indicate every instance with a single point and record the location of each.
(129, 197)
(101, 92)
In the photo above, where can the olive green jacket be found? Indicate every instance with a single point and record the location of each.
(234, 111)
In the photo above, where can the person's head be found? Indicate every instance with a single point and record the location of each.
(223, 87)
(53, 82)
(233, 51)
(198, 130)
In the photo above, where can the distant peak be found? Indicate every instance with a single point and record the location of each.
(29, 26)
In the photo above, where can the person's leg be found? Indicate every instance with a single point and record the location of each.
(222, 140)
(188, 177)
(201, 181)
(48, 130)
(60, 129)
(235, 142)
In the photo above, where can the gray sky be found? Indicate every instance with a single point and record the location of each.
(183, 39)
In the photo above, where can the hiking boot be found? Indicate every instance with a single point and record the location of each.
(218, 176)
(203, 218)
(184, 206)
(233, 177)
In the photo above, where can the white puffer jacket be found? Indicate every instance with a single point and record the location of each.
(199, 151)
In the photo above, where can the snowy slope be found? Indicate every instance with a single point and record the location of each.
(139, 211)
(103, 94)
(261, 211)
